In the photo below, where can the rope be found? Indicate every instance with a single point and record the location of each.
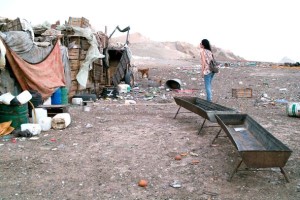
(34, 118)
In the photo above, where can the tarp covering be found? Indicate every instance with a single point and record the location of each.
(65, 60)
(43, 77)
(21, 43)
(91, 55)
(2, 55)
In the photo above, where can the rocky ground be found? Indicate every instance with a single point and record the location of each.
(104, 153)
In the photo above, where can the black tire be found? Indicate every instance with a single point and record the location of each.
(129, 78)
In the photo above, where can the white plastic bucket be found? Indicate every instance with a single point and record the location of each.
(77, 101)
(123, 88)
(38, 114)
(35, 129)
(293, 109)
(24, 97)
(45, 123)
(61, 121)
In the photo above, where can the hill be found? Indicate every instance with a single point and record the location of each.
(144, 47)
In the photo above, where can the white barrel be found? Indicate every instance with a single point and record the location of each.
(24, 97)
(35, 129)
(45, 123)
(38, 114)
(293, 109)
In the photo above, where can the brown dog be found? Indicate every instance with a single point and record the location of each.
(144, 72)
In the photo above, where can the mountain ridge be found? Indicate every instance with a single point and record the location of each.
(143, 46)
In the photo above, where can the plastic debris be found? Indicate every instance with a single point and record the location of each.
(175, 184)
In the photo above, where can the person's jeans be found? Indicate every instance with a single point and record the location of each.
(207, 80)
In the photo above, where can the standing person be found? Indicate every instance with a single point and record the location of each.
(205, 57)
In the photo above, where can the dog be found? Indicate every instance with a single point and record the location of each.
(144, 72)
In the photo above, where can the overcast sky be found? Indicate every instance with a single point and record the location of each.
(258, 30)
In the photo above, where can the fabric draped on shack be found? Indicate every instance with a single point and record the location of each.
(21, 43)
(44, 76)
(92, 54)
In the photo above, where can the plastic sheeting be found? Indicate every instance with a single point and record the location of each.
(93, 53)
(43, 77)
(21, 43)
(2, 55)
(66, 63)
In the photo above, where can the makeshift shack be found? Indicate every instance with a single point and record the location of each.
(73, 55)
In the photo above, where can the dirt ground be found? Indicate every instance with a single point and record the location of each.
(104, 153)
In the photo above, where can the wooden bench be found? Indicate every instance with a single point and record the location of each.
(52, 110)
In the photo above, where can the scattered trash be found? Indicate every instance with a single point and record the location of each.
(148, 98)
(127, 102)
(184, 154)
(89, 126)
(194, 154)
(298, 187)
(34, 138)
(25, 133)
(175, 184)
(195, 162)
(281, 101)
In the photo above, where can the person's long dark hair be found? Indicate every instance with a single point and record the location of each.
(206, 44)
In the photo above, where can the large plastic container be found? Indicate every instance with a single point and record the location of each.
(6, 98)
(61, 121)
(45, 123)
(18, 114)
(35, 129)
(64, 95)
(56, 97)
(293, 109)
(38, 114)
(24, 97)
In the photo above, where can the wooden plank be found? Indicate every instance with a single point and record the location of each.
(74, 54)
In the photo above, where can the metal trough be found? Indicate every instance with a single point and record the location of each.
(204, 108)
(257, 147)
